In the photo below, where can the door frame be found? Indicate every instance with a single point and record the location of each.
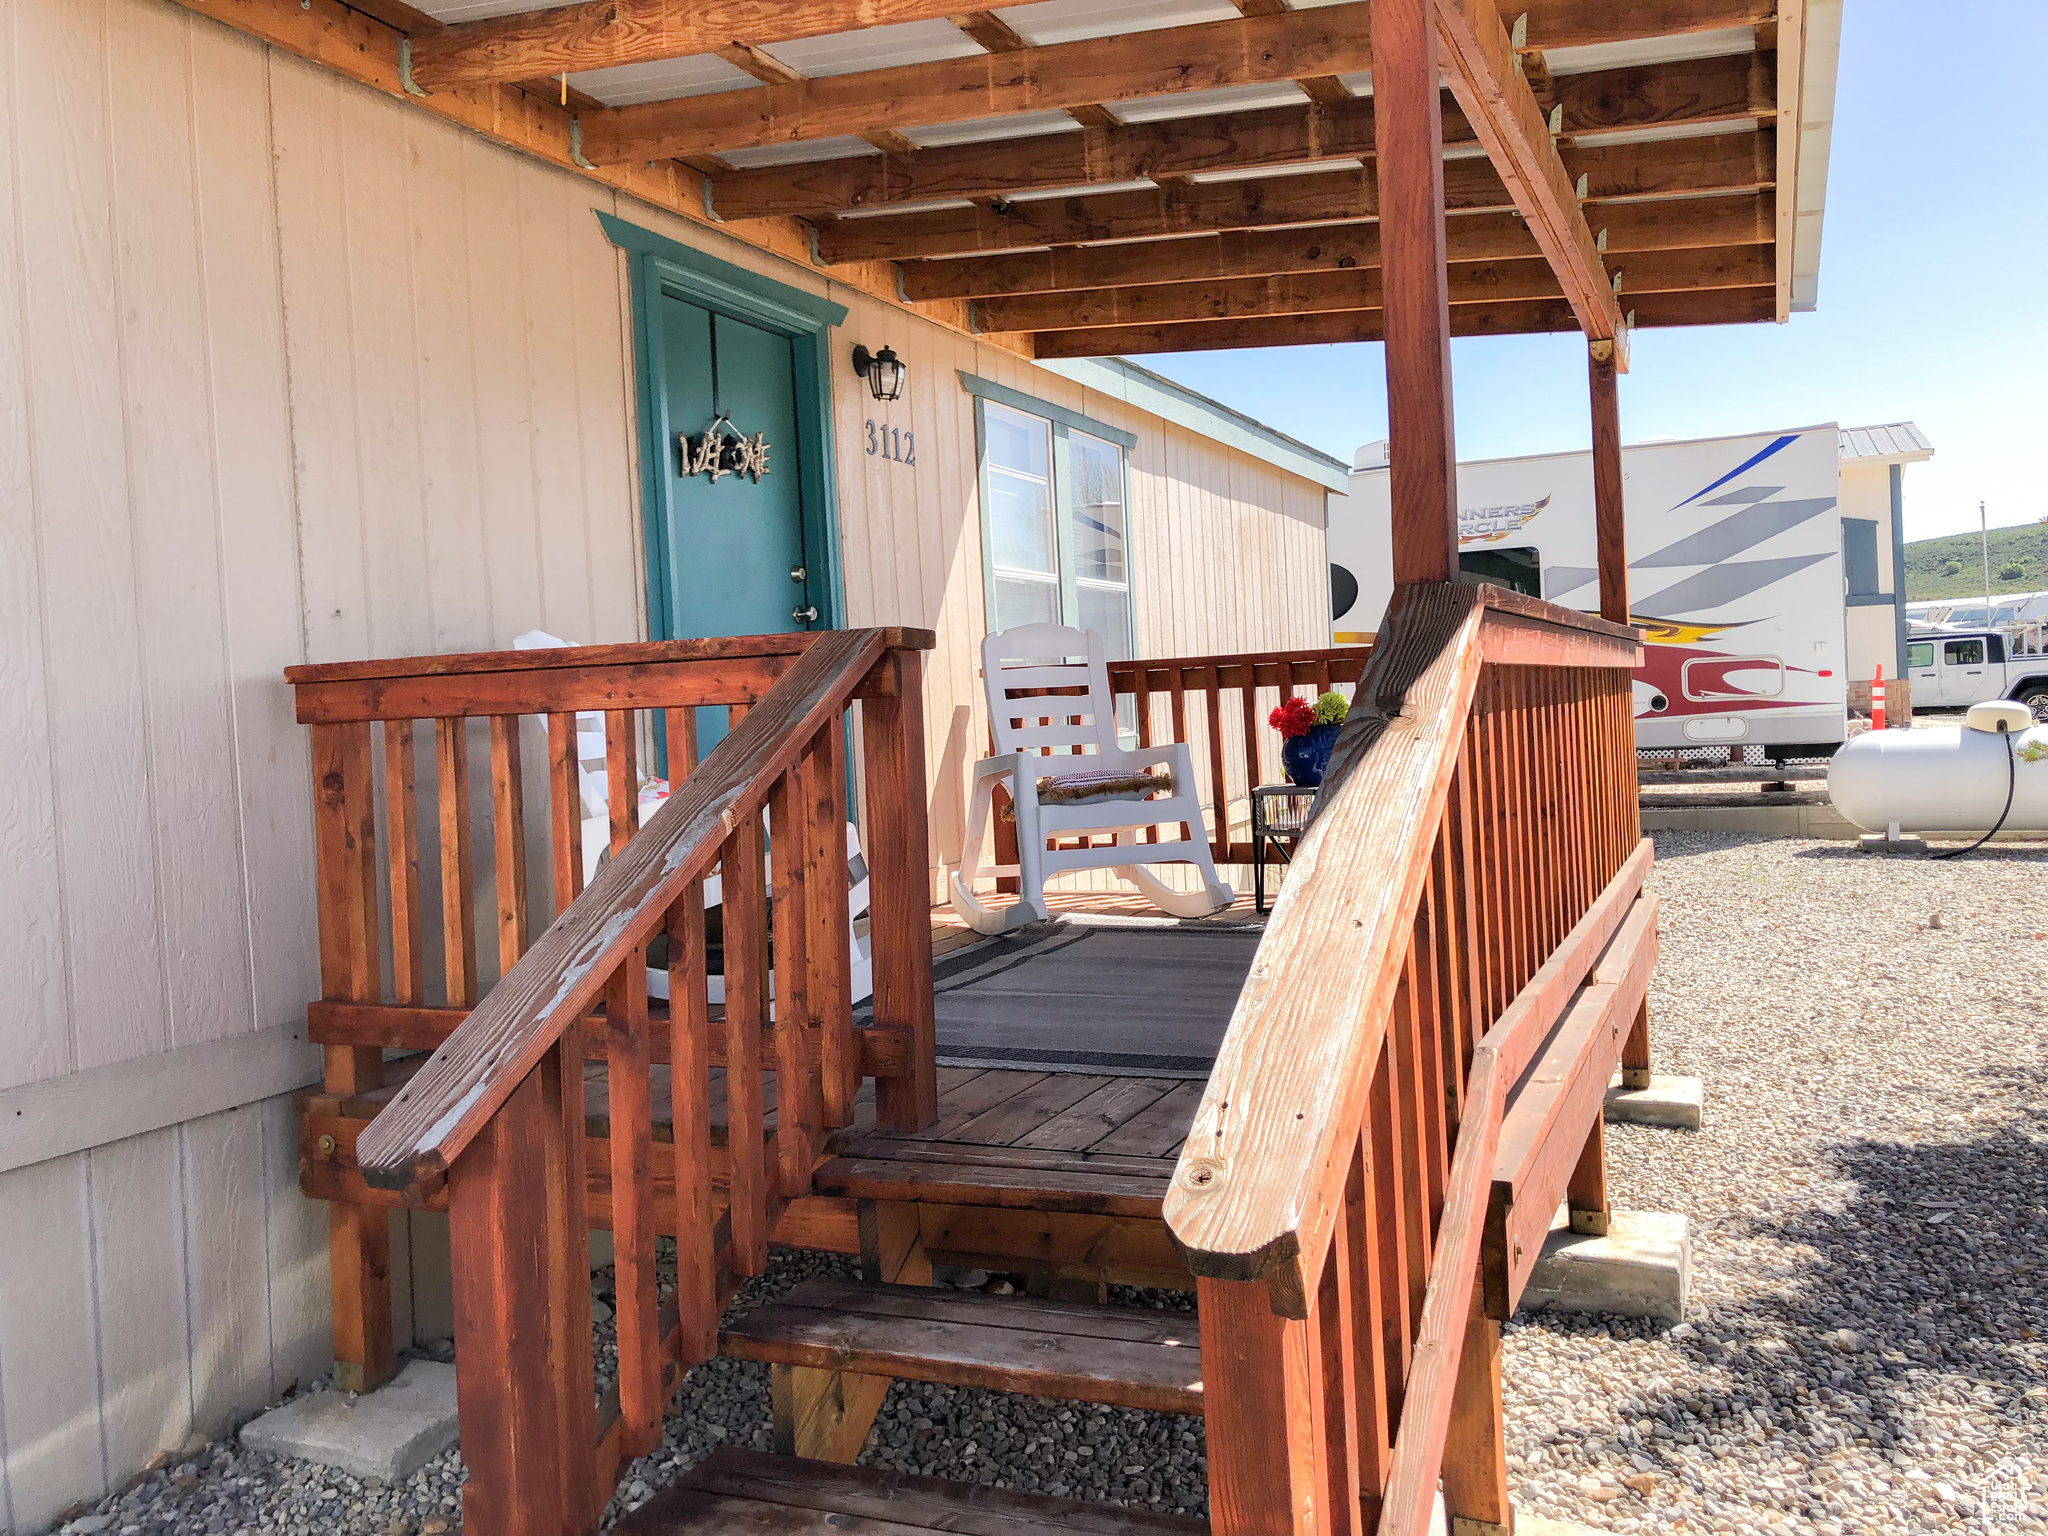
(658, 265)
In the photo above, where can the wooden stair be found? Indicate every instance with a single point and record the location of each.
(1121, 1356)
(735, 1492)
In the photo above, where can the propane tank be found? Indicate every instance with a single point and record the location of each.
(1947, 779)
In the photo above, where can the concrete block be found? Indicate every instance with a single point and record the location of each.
(1672, 1101)
(1879, 842)
(390, 1433)
(1641, 1267)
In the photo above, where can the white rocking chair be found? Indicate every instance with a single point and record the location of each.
(1104, 788)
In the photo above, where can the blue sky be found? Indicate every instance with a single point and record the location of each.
(1933, 303)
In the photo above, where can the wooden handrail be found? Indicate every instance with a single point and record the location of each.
(471, 1076)
(1293, 1067)
(1473, 858)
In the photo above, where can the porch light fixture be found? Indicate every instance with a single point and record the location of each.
(883, 370)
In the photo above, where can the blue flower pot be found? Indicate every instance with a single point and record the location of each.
(1306, 757)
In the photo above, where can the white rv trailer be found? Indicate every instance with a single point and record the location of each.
(1735, 573)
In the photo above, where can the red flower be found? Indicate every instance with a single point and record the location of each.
(1295, 716)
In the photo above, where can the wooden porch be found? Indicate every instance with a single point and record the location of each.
(1455, 966)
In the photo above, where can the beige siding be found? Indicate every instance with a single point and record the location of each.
(307, 375)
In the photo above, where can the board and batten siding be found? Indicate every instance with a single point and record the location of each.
(294, 373)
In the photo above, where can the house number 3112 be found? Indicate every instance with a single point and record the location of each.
(892, 443)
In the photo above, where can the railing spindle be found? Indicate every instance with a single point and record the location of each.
(402, 824)
(631, 1142)
(690, 1099)
(828, 923)
(565, 809)
(796, 1109)
(458, 899)
(622, 775)
(508, 837)
(744, 920)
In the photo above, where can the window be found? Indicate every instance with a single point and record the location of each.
(1859, 556)
(1919, 653)
(1997, 645)
(1055, 526)
(1512, 568)
(1963, 653)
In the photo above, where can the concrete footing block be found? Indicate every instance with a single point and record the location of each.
(390, 1433)
(1669, 1101)
(1880, 842)
(1641, 1267)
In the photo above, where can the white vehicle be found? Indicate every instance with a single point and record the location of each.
(1735, 573)
(1971, 613)
(1955, 668)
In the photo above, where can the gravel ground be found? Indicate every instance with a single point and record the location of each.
(1867, 1350)
(1866, 1346)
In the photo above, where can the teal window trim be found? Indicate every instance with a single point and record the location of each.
(1017, 400)
(659, 265)
(1061, 499)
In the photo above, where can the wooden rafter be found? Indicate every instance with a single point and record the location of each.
(1471, 282)
(1658, 167)
(1251, 51)
(1705, 92)
(1480, 62)
(1683, 224)
(601, 34)
(1729, 307)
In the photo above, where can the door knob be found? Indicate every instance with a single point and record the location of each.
(798, 573)
(804, 613)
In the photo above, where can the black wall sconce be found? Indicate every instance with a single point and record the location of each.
(883, 370)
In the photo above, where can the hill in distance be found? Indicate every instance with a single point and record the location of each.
(1953, 565)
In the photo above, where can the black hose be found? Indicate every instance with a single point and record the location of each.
(2012, 773)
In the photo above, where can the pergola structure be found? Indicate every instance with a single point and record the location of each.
(1087, 179)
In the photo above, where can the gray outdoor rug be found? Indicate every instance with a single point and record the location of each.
(1129, 997)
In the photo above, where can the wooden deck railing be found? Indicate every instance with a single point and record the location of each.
(495, 1118)
(1182, 698)
(1234, 750)
(1374, 1142)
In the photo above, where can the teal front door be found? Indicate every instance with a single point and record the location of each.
(735, 562)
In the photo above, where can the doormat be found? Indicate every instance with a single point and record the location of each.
(1129, 997)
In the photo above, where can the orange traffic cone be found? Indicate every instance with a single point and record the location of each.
(1877, 700)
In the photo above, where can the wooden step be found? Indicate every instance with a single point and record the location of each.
(1117, 1355)
(733, 1492)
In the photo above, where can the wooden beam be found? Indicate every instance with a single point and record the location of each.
(1686, 224)
(1415, 311)
(1525, 277)
(1729, 306)
(1610, 529)
(1484, 76)
(601, 34)
(1123, 152)
(1663, 167)
(1728, 90)
(1249, 51)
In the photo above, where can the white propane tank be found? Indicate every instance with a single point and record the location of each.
(1947, 779)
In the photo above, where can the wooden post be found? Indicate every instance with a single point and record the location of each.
(345, 861)
(1475, 1470)
(898, 848)
(1635, 1051)
(1266, 1475)
(523, 1370)
(1610, 530)
(1586, 1191)
(1409, 139)
(825, 1415)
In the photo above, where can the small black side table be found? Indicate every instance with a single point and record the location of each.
(1280, 815)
